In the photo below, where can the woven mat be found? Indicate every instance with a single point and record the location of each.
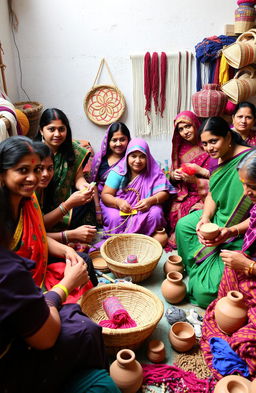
(193, 361)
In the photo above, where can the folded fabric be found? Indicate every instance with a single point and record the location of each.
(225, 360)
(119, 317)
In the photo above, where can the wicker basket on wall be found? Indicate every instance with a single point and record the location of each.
(33, 114)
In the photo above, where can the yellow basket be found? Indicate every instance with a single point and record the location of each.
(142, 305)
(116, 249)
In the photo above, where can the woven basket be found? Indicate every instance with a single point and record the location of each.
(116, 249)
(243, 51)
(142, 305)
(33, 114)
(242, 86)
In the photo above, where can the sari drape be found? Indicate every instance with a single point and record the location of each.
(190, 196)
(203, 264)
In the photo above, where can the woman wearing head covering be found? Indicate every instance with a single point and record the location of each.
(188, 157)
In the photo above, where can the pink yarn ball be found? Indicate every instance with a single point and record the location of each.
(230, 108)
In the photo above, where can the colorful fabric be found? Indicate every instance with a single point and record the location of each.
(64, 177)
(148, 183)
(119, 317)
(78, 348)
(203, 264)
(96, 174)
(224, 70)
(88, 165)
(190, 196)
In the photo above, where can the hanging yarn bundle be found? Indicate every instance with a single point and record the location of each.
(163, 81)
(147, 84)
(155, 79)
(119, 317)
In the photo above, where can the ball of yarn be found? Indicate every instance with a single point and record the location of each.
(175, 314)
(23, 121)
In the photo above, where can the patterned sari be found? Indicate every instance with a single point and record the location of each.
(203, 264)
(190, 195)
(243, 341)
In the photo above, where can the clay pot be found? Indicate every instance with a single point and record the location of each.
(173, 264)
(182, 336)
(231, 312)
(156, 351)
(209, 231)
(126, 371)
(233, 384)
(173, 288)
(161, 236)
(210, 101)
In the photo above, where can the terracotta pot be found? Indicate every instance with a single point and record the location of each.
(231, 312)
(173, 264)
(233, 384)
(126, 371)
(173, 288)
(156, 351)
(182, 336)
(209, 231)
(210, 101)
(161, 236)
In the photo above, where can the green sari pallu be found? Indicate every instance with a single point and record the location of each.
(203, 264)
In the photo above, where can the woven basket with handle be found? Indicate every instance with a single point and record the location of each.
(243, 51)
(142, 305)
(104, 104)
(242, 86)
(116, 249)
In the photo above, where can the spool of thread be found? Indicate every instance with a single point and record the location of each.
(132, 259)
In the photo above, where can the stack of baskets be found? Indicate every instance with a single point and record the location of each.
(116, 249)
(33, 114)
(142, 305)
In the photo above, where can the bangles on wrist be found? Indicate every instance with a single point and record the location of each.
(250, 270)
(238, 232)
(63, 209)
(64, 289)
(64, 237)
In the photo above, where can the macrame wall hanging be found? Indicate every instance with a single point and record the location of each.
(161, 89)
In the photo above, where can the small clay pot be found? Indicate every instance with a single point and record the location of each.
(161, 236)
(209, 231)
(231, 312)
(156, 351)
(173, 288)
(233, 384)
(182, 336)
(126, 371)
(173, 264)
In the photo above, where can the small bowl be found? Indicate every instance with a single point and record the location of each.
(98, 261)
(182, 336)
(209, 231)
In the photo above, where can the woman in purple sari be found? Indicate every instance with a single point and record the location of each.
(112, 150)
(135, 185)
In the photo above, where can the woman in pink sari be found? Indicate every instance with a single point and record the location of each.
(189, 172)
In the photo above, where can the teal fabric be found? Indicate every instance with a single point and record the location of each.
(92, 381)
(114, 180)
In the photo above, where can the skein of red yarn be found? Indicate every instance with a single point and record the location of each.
(147, 83)
(189, 170)
(163, 81)
(155, 79)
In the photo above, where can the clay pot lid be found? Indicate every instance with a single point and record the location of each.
(209, 228)
(98, 261)
(156, 345)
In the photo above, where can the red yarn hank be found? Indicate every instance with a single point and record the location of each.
(176, 379)
(163, 69)
(188, 169)
(155, 79)
(147, 84)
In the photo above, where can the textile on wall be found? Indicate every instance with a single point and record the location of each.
(178, 94)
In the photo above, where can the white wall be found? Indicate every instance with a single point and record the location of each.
(61, 44)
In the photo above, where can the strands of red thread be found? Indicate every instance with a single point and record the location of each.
(176, 379)
(147, 84)
(155, 79)
(163, 82)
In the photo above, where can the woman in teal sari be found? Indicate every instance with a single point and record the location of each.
(69, 160)
(225, 205)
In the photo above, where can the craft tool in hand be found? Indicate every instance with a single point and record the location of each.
(134, 211)
(104, 275)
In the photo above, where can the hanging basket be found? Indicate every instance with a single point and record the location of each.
(33, 114)
(242, 86)
(243, 51)
(104, 104)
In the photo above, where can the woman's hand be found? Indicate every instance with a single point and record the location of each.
(188, 178)
(79, 198)
(177, 175)
(83, 234)
(76, 274)
(225, 233)
(143, 205)
(123, 205)
(71, 254)
(235, 260)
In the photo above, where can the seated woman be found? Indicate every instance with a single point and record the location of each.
(69, 158)
(46, 346)
(79, 237)
(137, 183)
(244, 118)
(240, 275)
(20, 174)
(225, 205)
(113, 148)
(192, 189)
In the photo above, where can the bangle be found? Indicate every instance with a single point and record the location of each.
(238, 232)
(250, 270)
(65, 236)
(63, 209)
(157, 200)
(63, 288)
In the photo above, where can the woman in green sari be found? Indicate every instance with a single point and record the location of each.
(225, 205)
(69, 160)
